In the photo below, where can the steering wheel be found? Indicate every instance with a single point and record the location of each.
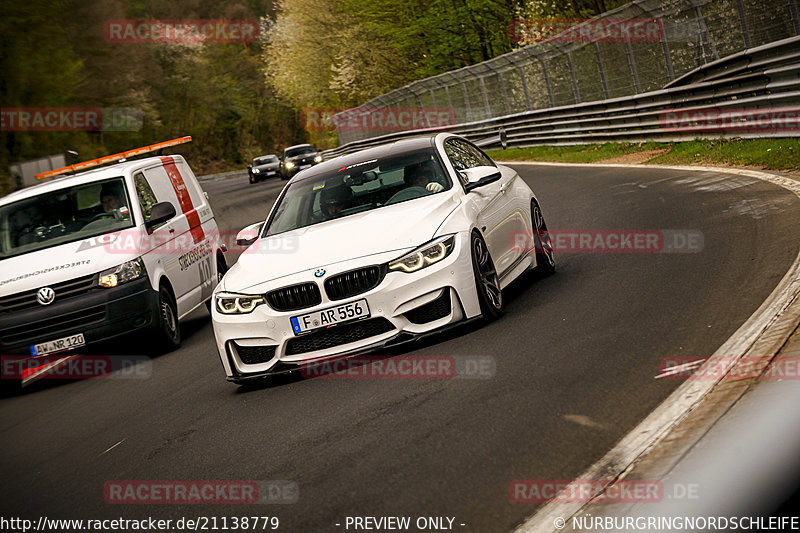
(100, 216)
(409, 193)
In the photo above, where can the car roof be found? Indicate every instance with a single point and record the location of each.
(411, 144)
(96, 174)
(265, 156)
(298, 146)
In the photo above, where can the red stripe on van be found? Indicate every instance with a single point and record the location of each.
(184, 199)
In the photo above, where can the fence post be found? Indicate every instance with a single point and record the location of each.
(600, 70)
(486, 105)
(795, 16)
(634, 70)
(667, 56)
(547, 81)
(466, 101)
(743, 21)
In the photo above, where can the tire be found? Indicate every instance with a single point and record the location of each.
(222, 267)
(252, 179)
(168, 330)
(545, 260)
(487, 283)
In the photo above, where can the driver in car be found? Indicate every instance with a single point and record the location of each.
(333, 200)
(109, 199)
(422, 176)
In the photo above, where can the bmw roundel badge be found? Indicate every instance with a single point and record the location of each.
(320, 272)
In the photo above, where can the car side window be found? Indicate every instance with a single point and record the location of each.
(147, 199)
(464, 155)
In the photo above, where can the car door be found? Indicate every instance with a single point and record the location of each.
(499, 217)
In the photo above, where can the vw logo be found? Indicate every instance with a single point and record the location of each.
(45, 296)
(319, 273)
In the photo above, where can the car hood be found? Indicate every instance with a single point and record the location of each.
(399, 228)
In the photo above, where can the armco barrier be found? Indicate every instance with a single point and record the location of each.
(763, 81)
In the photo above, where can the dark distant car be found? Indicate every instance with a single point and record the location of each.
(297, 158)
(264, 167)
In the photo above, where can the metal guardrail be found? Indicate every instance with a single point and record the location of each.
(567, 69)
(764, 78)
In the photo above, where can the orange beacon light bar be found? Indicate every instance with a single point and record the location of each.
(114, 157)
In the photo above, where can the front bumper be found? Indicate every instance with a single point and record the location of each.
(403, 307)
(99, 314)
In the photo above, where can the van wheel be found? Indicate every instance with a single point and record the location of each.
(168, 335)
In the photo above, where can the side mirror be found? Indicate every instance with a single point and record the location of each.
(160, 213)
(249, 234)
(480, 176)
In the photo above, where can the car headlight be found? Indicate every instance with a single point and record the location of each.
(425, 255)
(318, 159)
(289, 165)
(128, 271)
(237, 304)
(256, 171)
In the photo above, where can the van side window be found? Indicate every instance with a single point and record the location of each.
(147, 199)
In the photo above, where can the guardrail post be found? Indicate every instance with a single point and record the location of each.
(600, 69)
(743, 21)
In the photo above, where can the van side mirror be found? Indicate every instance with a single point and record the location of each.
(480, 176)
(160, 213)
(249, 234)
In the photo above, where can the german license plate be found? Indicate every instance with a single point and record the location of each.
(331, 316)
(58, 345)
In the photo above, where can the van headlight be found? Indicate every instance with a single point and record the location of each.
(426, 255)
(289, 165)
(127, 271)
(237, 304)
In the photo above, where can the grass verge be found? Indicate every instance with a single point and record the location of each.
(772, 154)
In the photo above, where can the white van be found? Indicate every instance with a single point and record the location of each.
(88, 257)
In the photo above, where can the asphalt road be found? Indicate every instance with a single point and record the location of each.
(575, 355)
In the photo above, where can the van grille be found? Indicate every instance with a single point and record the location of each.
(66, 289)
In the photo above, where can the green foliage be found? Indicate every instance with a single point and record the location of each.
(54, 54)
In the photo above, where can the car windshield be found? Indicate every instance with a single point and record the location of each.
(300, 150)
(364, 186)
(265, 159)
(64, 215)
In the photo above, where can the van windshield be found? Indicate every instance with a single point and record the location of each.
(64, 215)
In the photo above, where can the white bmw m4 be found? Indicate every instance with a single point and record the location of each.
(377, 248)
